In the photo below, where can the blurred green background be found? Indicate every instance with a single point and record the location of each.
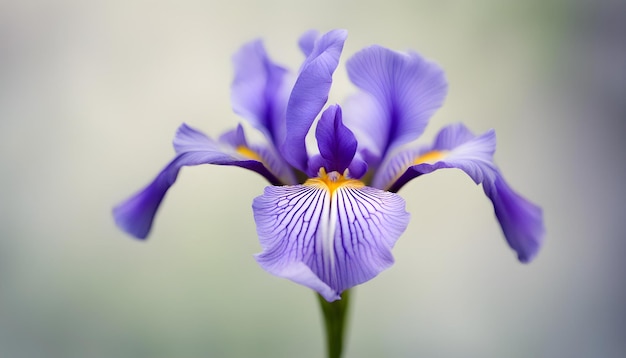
(91, 93)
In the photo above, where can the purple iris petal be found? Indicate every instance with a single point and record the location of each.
(328, 240)
(400, 94)
(234, 138)
(335, 141)
(307, 41)
(136, 214)
(456, 147)
(266, 154)
(309, 95)
(337, 145)
(521, 220)
(259, 91)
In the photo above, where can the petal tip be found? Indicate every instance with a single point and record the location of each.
(131, 219)
(521, 220)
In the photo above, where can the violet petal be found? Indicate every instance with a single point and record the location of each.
(335, 141)
(400, 94)
(455, 147)
(309, 95)
(328, 240)
(259, 92)
(136, 214)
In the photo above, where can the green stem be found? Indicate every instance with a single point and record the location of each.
(335, 322)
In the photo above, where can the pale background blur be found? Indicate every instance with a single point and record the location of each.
(91, 93)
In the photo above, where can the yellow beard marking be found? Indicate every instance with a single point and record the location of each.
(333, 181)
(248, 153)
(430, 157)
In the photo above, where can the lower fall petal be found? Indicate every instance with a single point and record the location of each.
(521, 221)
(136, 214)
(328, 236)
(456, 147)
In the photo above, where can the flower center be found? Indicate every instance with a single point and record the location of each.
(333, 181)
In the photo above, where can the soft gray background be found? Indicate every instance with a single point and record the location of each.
(91, 93)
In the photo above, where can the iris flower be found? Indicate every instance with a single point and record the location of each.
(331, 215)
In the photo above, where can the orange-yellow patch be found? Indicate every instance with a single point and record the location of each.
(333, 181)
(248, 153)
(430, 157)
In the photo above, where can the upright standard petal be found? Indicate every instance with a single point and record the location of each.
(328, 234)
(309, 95)
(400, 94)
(336, 142)
(260, 91)
(136, 214)
(337, 146)
(307, 41)
(456, 147)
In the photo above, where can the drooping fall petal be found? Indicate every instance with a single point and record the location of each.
(328, 235)
(136, 214)
(456, 147)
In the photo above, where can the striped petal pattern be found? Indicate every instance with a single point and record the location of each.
(328, 235)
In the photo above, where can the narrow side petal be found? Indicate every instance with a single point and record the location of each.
(328, 240)
(309, 95)
(136, 214)
(401, 93)
(258, 91)
(456, 147)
